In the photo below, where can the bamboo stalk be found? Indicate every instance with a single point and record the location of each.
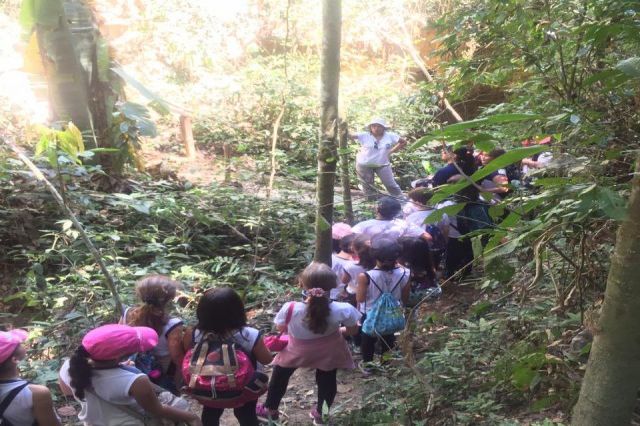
(110, 283)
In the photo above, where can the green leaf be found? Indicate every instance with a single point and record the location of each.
(28, 15)
(438, 214)
(458, 131)
(103, 59)
(155, 99)
(140, 115)
(501, 162)
(630, 67)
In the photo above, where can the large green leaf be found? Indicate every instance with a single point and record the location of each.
(501, 162)
(630, 67)
(460, 131)
(140, 115)
(157, 103)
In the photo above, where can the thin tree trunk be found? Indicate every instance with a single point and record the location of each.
(344, 173)
(110, 283)
(327, 151)
(186, 132)
(609, 389)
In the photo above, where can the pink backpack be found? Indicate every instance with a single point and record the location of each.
(220, 374)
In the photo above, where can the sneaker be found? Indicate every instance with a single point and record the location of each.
(365, 368)
(316, 416)
(266, 413)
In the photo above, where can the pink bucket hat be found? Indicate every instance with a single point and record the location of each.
(339, 230)
(113, 341)
(9, 341)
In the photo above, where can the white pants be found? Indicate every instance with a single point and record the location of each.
(366, 175)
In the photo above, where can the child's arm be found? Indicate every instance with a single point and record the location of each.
(66, 389)
(363, 286)
(144, 395)
(349, 331)
(176, 349)
(405, 294)
(187, 339)
(43, 406)
(262, 354)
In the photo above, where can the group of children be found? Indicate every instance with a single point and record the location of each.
(123, 372)
(112, 379)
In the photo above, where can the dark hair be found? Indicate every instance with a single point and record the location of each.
(346, 243)
(362, 248)
(495, 153)
(318, 275)
(467, 163)
(221, 311)
(80, 371)
(421, 195)
(385, 251)
(155, 291)
(6, 364)
(388, 207)
(335, 245)
(415, 255)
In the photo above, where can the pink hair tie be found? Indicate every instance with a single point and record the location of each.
(316, 292)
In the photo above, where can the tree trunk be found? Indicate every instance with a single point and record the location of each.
(327, 150)
(344, 173)
(67, 81)
(609, 389)
(186, 132)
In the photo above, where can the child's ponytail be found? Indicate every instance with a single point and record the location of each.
(80, 371)
(155, 291)
(318, 279)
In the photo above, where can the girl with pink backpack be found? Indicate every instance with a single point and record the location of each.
(223, 367)
(316, 331)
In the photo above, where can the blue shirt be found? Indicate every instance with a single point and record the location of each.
(444, 174)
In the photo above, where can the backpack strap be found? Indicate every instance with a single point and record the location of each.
(404, 272)
(292, 305)
(11, 395)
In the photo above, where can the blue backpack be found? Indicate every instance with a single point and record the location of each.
(386, 316)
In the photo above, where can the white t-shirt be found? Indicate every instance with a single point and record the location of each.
(395, 279)
(20, 411)
(337, 265)
(453, 221)
(543, 159)
(375, 153)
(340, 314)
(408, 208)
(246, 338)
(112, 385)
(418, 218)
(353, 270)
(394, 229)
(161, 350)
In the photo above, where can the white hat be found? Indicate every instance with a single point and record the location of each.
(379, 121)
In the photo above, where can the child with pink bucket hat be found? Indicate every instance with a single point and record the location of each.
(21, 403)
(109, 391)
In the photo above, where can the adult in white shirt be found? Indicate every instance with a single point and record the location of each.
(376, 146)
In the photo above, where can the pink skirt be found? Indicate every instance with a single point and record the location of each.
(324, 353)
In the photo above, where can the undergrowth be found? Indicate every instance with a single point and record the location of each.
(204, 237)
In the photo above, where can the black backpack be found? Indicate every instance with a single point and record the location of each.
(7, 400)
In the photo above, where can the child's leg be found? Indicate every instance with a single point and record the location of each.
(246, 414)
(327, 388)
(278, 386)
(211, 416)
(367, 347)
